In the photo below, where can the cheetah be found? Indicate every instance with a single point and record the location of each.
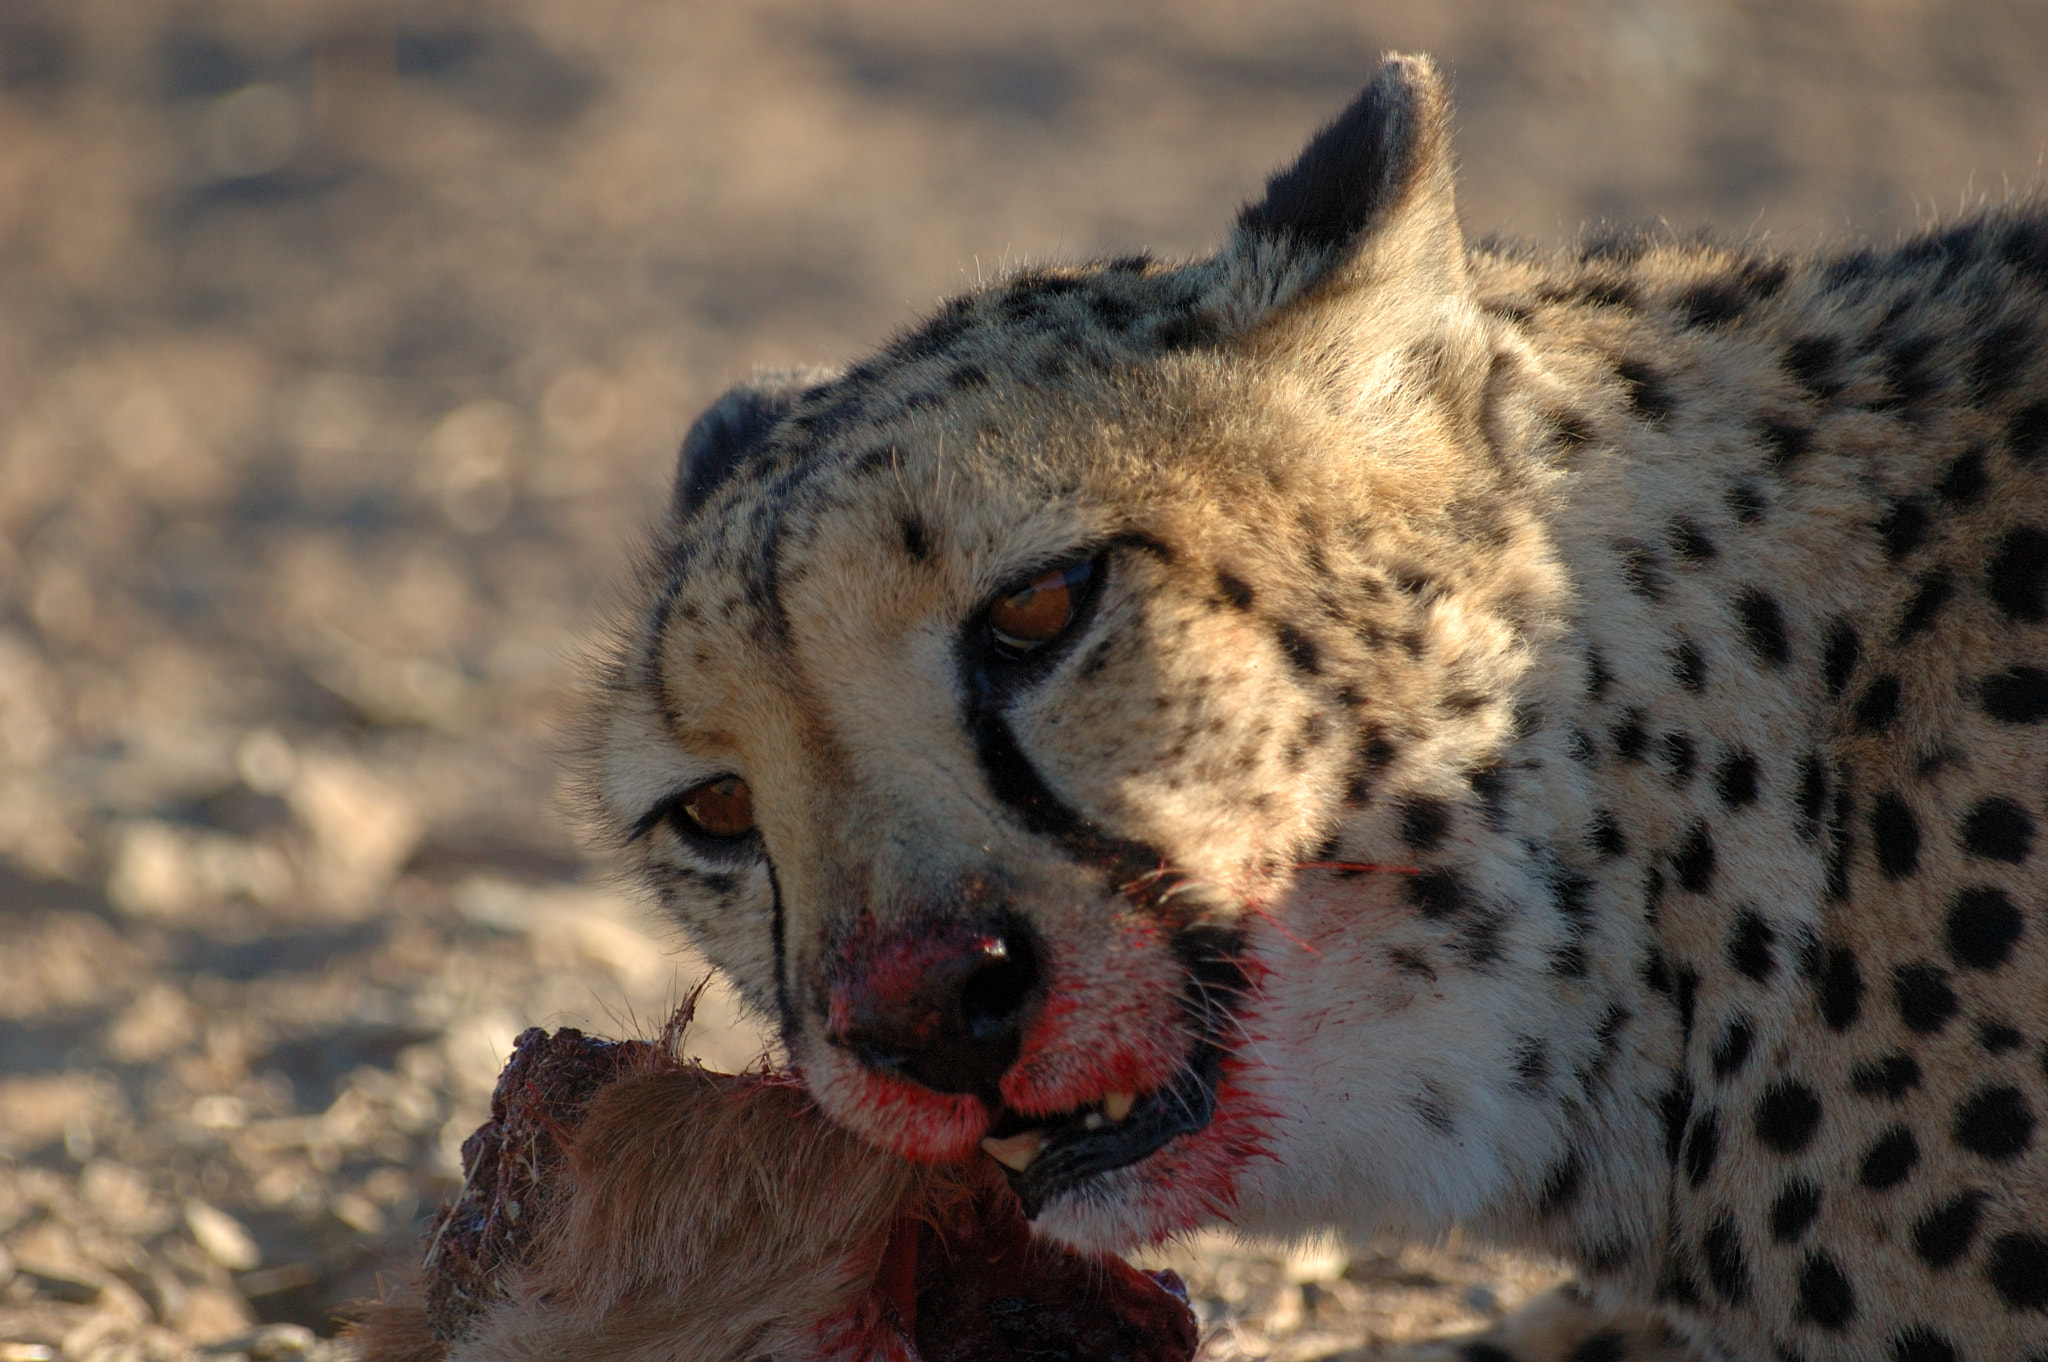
(1370, 732)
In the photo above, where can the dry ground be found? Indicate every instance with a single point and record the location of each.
(343, 348)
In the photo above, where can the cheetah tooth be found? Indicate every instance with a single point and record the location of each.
(1016, 1152)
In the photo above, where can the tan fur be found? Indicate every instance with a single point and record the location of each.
(704, 1218)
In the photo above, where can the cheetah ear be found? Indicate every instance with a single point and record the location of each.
(1369, 204)
(733, 427)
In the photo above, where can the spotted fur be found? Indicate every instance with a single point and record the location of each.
(1600, 699)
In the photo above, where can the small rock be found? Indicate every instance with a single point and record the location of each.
(224, 1238)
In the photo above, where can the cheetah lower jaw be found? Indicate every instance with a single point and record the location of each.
(1018, 1152)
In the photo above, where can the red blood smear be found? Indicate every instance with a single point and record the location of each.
(989, 1292)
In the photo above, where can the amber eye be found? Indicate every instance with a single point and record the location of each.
(721, 808)
(1040, 612)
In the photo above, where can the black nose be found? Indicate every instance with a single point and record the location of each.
(944, 1007)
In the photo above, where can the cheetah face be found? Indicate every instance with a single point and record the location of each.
(1006, 708)
(972, 780)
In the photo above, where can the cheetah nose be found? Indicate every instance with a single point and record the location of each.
(942, 1007)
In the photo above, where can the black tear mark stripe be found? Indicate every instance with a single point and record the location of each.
(1018, 786)
(785, 1005)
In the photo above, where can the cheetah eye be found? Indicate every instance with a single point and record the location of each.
(1040, 611)
(722, 808)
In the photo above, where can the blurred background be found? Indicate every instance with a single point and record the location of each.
(344, 348)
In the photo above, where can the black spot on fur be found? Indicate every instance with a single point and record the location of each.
(1629, 737)
(1825, 1296)
(1735, 779)
(1727, 1270)
(1605, 836)
(1186, 330)
(1838, 984)
(1681, 754)
(1714, 303)
(1571, 429)
(1688, 540)
(1889, 1160)
(1424, 821)
(2017, 1268)
(1878, 705)
(1997, 1038)
(1995, 1123)
(1750, 947)
(1688, 666)
(1935, 588)
(1787, 1115)
(1301, 650)
(1966, 478)
(1763, 625)
(1839, 656)
(1904, 528)
(1894, 836)
(1642, 569)
(1797, 1204)
(952, 322)
(1925, 1001)
(1234, 589)
(1784, 442)
(1983, 926)
(1694, 860)
(1921, 1344)
(2017, 576)
(1745, 502)
(1593, 291)
(1731, 1051)
(967, 377)
(1811, 363)
(1532, 1065)
(1599, 680)
(1490, 783)
(1943, 1235)
(1998, 359)
(1437, 893)
(1645, 390)
(2026, 434)
(1998, 829)
(1910, 372)
(2018, 696)
(2024, 246)
(1116, 313)
(1892, 1076)
(916, 542)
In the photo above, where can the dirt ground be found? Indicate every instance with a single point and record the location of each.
(344, 348)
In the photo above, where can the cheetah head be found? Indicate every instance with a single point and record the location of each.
(1027, 718)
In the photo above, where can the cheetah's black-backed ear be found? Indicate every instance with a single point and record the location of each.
(1369, 201)
(733, 427)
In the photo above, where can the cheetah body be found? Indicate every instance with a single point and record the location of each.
(1599, 703)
